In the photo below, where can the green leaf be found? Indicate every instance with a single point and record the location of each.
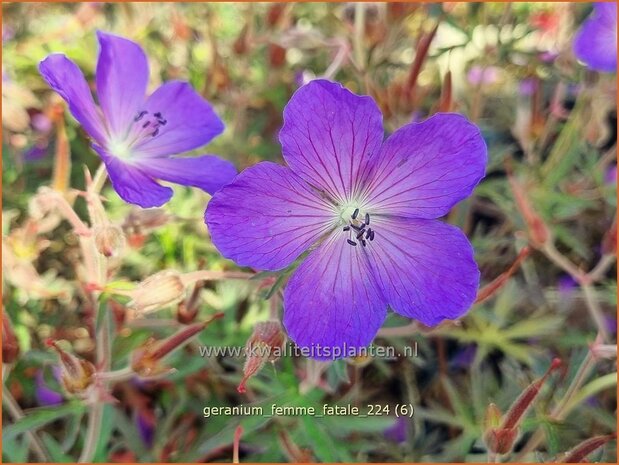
(36, 418)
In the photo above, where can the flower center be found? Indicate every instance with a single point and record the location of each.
(358, 228)
(145, 126)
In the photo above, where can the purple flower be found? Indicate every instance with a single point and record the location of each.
(134, 135)
(46, 396)
(478, 75)
(366, 213)
(596, 41)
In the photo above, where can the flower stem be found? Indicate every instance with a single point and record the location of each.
(359, 31)
(38, 448)
(99, 180)
(594, 309)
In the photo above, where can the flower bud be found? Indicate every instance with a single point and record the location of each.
(146, 361)
(10, 344)
(492, 418)
(109, 240)
(157, 291)
(265, 345)
(77, 374)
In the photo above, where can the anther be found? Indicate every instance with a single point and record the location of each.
(363, 243)
(157, 115)
(368, 233)
(367, 218)
(355, 213)
(361, 233)
(351, 242)
(145, 125)
(155, 132)
(140, 116)
(346, 228)
(371, 236)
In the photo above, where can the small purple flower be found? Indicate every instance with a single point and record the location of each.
(596, 41)
(478, 75)
(45, 396)
(134, 135)
(366, 213)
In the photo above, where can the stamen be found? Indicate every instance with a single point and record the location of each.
(363, 243)
(140, 115)
(356, 228)
(367, 218)
(346, 228)
(351, 242)
(361, 233)
(368, 233)
(155, 132)
(145, 125)
(355, 213)
(372, 236)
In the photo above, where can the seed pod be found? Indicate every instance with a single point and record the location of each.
(109, 240)
(146, 361)
(264, 345)
(538, 231)
(579, 453)
(500, 436)
(157, 291)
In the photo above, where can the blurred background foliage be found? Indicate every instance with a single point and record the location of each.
(550, 126)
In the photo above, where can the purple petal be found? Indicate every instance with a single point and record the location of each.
(45, 396)
(208, 172)
(332, 301)
(145, 428)
(266, 217)
(596, 41)
(122, 77)
(132, 184)
(426, 168)
(66, 78)
(329, 135)
(398, 432)
(425, 268)
(190, 121)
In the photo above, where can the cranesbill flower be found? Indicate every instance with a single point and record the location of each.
(596, 41)
(136, 135)
(364, 209)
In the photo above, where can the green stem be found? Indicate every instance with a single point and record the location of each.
(38, 448)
